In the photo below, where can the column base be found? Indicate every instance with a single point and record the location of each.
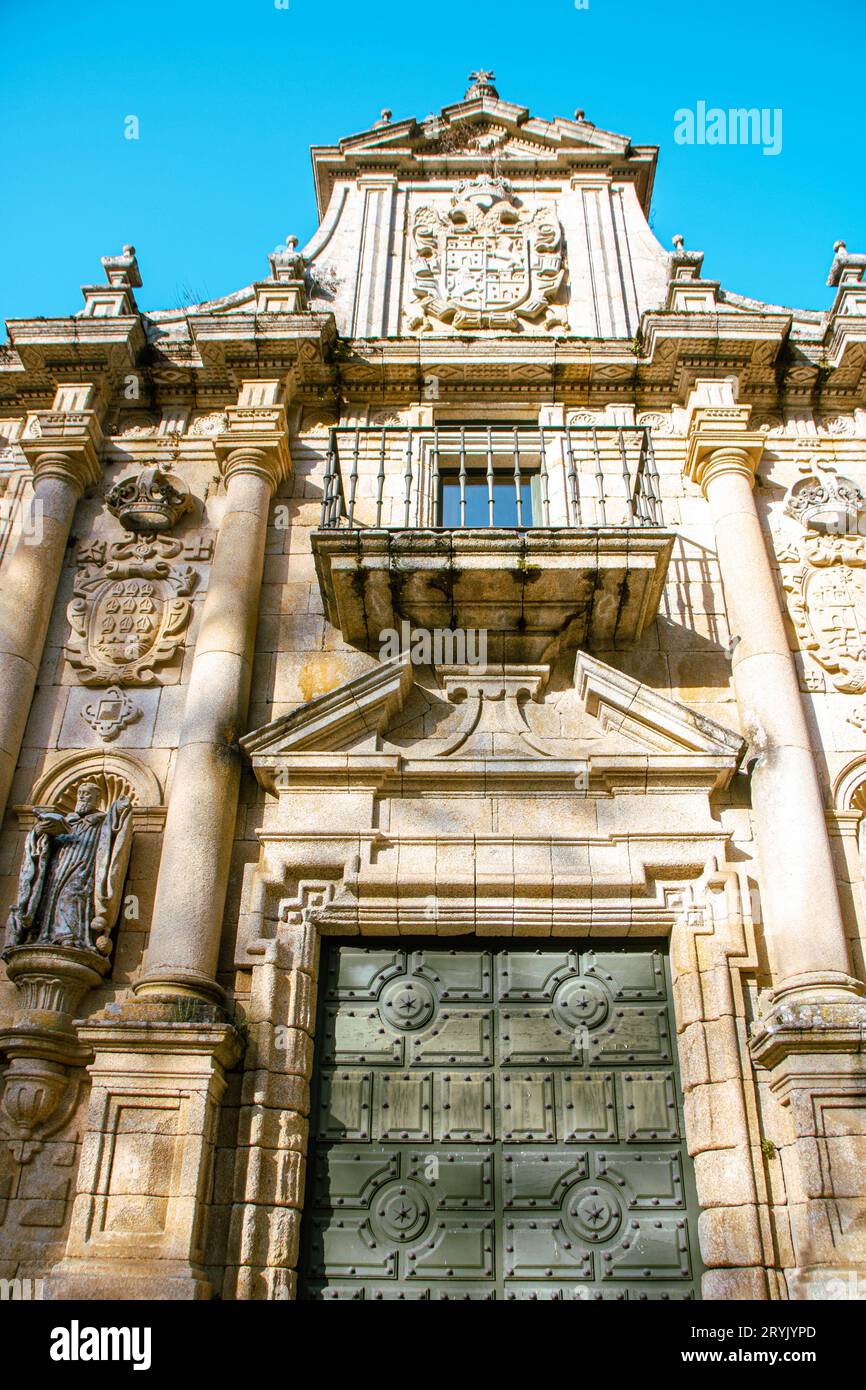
(97, 1281)
(181, 984)
(814, 1047)
(810, 1013)
(139, 1221)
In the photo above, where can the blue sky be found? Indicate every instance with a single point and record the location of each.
(229, 97)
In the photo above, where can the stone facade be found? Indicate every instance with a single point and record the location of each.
(211, 519)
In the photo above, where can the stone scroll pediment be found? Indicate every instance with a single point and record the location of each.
(646, 719)
(355, 713)
(483, 126)
(481, 723)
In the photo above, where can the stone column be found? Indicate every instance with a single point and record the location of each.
(63, 448)
(199, 829)
(800, 907)
(809, 1036)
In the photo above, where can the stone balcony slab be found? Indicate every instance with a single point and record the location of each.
(534, 590)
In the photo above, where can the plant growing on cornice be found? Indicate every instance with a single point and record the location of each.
(241, 1027)
(189, 1010)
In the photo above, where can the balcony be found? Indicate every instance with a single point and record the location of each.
(538, 536)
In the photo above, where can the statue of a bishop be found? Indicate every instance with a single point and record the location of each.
(72, 875)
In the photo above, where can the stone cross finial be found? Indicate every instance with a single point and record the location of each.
(482, 84)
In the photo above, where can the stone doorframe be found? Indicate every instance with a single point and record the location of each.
(709, 921)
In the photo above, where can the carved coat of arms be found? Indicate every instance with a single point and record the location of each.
(128, 613)
(487, 262)
(824, 574)
(826, 587)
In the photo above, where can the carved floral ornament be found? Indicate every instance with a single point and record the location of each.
(129, 612)
(487, 262)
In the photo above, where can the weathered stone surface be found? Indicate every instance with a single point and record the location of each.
(729, 1235)
(664, 738)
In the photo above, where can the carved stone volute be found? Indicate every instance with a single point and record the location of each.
(45, 1057)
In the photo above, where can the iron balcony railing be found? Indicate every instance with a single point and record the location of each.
(488, 475)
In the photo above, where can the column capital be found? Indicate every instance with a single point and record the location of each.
(720, 442)
(264, 457)
(256, 440)
(66, 442)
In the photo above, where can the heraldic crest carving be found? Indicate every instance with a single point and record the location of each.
(487, 262)
(824, 574)
(826, 587)
(128, 613)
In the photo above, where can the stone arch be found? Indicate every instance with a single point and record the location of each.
(849, 788)
(116, 774)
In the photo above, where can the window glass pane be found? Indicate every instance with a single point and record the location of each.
(477, 500)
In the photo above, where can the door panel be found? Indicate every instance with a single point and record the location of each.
(497, 1122)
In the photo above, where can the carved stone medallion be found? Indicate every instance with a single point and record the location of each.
(129, 613)
(581, 1003)
(111, 713)
(401, 1211)
(487, 262)
(592, 1212)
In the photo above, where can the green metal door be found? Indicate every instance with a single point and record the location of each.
(497, 1121)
